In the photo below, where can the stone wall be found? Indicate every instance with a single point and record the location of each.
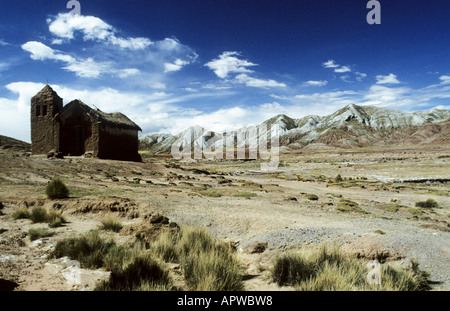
(44, 106)
(118, 143)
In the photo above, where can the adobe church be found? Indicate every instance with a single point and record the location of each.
(77, 129)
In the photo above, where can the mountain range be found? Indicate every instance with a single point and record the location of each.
(350, 127)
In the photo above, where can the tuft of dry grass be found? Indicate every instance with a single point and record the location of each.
(328, 269)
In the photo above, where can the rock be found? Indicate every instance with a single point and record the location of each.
(258, 248)
(89, 155)
(291, 199)
(54, 154)
(159, 219)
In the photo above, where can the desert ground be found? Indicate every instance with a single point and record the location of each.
(302, 203)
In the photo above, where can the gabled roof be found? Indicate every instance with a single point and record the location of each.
(115, 119)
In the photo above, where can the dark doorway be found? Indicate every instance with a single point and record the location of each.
(78, 148)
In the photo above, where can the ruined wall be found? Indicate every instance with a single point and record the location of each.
(44, 134)
(117, 143)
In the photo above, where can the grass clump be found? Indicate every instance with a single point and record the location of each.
(40, 215)
(166, 246)
(414, 211)
(312, 197)
(56, 189)
(430, 203)
(89, 249)
(346, 205)
(111, 224)
(134, 268)
(208, 265)
(338, 178)
(326, 269)
(37, 233)
(21, 213)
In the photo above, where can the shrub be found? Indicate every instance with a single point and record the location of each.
(312, 197)
(329, 269)
(36, 233)
(208, 265)
(131, 266)
(166, 246)
(430, 203)
(56, 189)
(143, 271)
(89, 249)
(346, 205)
(21, 213)
(55, 219)
(339, 178)
(38, 214)
(111, 224)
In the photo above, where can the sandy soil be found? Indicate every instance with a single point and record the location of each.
(238, 203)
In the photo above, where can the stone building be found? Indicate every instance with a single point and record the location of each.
(76, 129)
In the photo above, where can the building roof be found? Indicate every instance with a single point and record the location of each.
(116, 119)
(46, 92)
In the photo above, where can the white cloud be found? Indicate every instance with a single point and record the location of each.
(316, 83)
(345, 78)
(40, 51)
(228, 63)
(253, 82)
(210, 86)
(342, 69)
(176, 65)
(330, 64)
(445, 79)
(66, 25)
(360, 76)
(388, 96)
(4, 43)
(389, 79)
(15, 113)
(87, 68)
(161, 111)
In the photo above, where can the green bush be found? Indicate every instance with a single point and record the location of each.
(325, 269)
(208, 265)
(111, 224)
(430, 203)
(36, 233)
(142, 271)
(56, 189)
(338, 178)
(21, 213)
(89, 249)
(38, 214)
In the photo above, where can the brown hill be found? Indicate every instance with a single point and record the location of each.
(14, 144)
(436, 134)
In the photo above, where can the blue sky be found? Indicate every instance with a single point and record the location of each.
(222, 64)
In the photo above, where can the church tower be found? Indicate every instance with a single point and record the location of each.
(44, 128)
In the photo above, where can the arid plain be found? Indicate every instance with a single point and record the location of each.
(362, 199)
